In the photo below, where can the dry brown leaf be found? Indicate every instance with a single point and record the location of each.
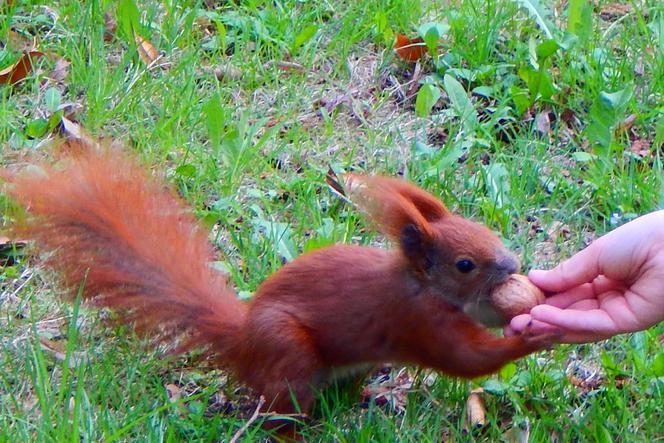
(20, 42)
(19, 70)
(568, 116)
(641, 147)
(557, 229)
(110, 26)
(392, 392)
(285, 66)
(174, 392)
(227, 72)
(542, 123)
(73, 131)
(146, 50)
(475, 410)
(58, 350)
(627, 123)
(410, 50)
(519, 434)
(60, 70)
(8, 243)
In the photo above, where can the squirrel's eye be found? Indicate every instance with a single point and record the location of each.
(465, 266)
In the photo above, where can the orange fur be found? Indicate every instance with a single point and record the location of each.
(137, 248)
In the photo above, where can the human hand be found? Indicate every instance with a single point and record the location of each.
(614, 286)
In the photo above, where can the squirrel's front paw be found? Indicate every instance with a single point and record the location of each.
(541, 340)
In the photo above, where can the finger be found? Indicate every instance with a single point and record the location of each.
(593, 321)
(587, 291)
(581, 268)
(568, 298)
(520, 322)
(525, 322)
(582, 337)
(585, 305)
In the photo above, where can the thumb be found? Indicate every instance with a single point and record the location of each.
(575, 271)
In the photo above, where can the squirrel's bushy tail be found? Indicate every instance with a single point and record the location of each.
(105, 222)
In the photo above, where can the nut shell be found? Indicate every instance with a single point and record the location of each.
(516, 296)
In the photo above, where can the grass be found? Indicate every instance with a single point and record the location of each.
(549, 144)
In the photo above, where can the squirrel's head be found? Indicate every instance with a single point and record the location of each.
(461, 261)
(451, 257)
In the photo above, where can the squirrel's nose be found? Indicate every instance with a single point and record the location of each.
(508, 264)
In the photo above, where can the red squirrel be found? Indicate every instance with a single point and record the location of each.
(105, 221)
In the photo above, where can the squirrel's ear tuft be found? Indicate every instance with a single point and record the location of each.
(394, 204)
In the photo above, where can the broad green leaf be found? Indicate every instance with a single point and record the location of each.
(52, 99)
(496, 182)
(539, 83)
(129, 18)
(280, 235)
(36, 128)
(605, 113)
(541, 16)
(508, 371)
(546, 49)
(616, 100)
(450, 155)
(431, 33)
(580, 19)
(521, 98)
(186, 170)
(602, 435)
(214, 119)
(659, 131)
(583, 157)
(495, 387)
(461, 103)
(657, 365)
(433, 29)
(304, 36)
(427, 97)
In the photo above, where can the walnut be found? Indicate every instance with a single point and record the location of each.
(516, 296)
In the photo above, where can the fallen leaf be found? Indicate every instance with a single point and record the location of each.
(58, 350)
(627, 124)
(557, 229)
(10, 250)
(146, 50)
(542, 123)
(73, 131)
(568, 116)
(415, 81)
(641, 147)
(110, 26)
(19, 70)
(585, 375)
(227, 72)
(21, 42)
(174, 392)
(388, 391)
(285, 66)
(60, 70)
(519, 433)
(639, 67)
(409, 50)
(8, 243)
(475, 410)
